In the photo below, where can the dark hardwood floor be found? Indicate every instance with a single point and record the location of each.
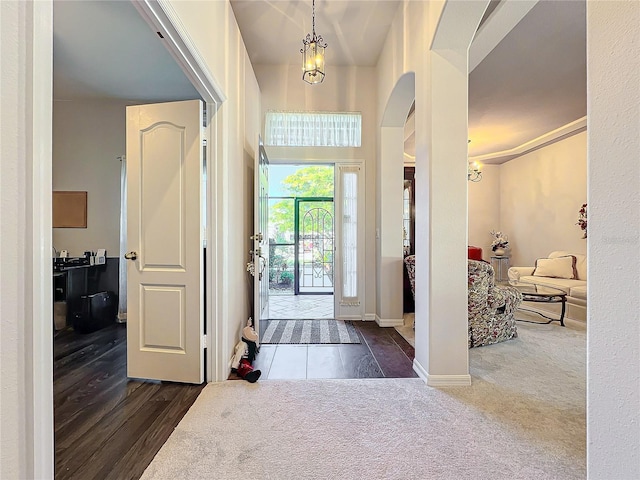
(111, 427)
(383, 352)
(107, 426)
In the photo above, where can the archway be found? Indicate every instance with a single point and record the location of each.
(390, 202)
(440, 93)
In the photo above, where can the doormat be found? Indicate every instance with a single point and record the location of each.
(310, 331)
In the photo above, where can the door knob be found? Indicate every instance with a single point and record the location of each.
(131, 255)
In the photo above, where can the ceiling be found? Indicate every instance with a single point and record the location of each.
(534, 81)
(105, 50)
(355, 31)
(529, 81)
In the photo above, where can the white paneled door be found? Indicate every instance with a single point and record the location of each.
(164, 242)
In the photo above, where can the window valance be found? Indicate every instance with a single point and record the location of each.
(313, 129)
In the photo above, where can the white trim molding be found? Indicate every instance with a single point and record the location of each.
(161, 16)
(560, 133)
(369, 317)
(441, 380)
(420, 370)
(389, 322)
(501, 21)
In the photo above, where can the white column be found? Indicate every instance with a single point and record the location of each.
(442, 355)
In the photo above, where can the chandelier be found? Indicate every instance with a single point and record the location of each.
(313, 54)
(474, 174)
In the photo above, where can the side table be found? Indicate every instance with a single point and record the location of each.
(500, 264)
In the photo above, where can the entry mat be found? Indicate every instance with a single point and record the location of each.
(310, 331)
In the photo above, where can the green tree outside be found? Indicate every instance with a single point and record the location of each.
(313, 181)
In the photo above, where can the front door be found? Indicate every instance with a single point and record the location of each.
(314, 244)
(164, 240)
(261, 238)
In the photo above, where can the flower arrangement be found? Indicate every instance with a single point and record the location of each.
(582, 219)
(500, 240)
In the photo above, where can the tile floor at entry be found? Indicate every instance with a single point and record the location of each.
(300, 306)
(382, 353)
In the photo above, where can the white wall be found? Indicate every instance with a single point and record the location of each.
(213, 29)
(484, 208)
(540, 194)
(343, 89)
(26, 357)
(613, 336)
(88, 135)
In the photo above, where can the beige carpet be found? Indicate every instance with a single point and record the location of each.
(523, 418)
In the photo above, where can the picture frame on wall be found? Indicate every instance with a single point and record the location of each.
(69, 209)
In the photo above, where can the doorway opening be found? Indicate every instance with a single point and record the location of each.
(301, 242)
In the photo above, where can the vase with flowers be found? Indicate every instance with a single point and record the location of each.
(582, 219)
(500, 243)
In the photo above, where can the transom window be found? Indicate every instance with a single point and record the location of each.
(313, 129)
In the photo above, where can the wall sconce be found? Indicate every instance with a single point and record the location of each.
(474, 174)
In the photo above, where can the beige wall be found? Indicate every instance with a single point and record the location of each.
(213, 29)
(484, 208)
(344, 89)
(540, 194)
(26, 356)
(613, 336)
(87, 137)
(534, 199)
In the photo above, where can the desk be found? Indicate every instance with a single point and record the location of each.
(69, 285)
(500, 266)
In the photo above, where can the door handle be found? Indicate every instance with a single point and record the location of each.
(131, 255)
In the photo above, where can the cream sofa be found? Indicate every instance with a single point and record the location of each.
(576, 289)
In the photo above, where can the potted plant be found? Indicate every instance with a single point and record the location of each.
(500, 243)
(582, 219)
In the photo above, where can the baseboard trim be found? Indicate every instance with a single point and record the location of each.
(389, 322)
(420, 371)
(369, 317)
(449, 380)
(441, 380)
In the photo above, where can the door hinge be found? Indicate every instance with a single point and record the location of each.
(204, 341)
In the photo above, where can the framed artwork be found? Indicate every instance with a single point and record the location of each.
(69, 210)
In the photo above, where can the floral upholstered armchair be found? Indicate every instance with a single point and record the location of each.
(410, 263)
(491, 307)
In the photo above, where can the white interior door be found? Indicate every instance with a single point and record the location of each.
(261, 238)
(164, 238)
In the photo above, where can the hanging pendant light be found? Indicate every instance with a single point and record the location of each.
(313, 54)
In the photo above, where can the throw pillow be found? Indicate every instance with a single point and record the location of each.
(560, 267)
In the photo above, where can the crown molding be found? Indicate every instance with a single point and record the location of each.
(565, 131)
